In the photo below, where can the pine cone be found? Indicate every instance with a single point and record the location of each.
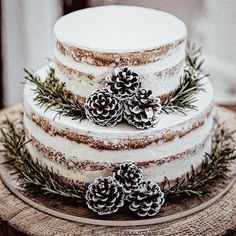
(105, 196)
(103, 109)
(129, 176)
(147, 200)
(123, 83)
(142, 110)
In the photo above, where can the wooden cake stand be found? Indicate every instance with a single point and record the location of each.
(217, 218)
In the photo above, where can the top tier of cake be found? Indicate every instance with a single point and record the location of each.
(90, 43)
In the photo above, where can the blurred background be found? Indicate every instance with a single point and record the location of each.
(27, 38)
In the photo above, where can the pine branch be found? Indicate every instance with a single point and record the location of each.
(184, 97)
(33, 177)
(215, 166)
(193, 55)
(51, 93)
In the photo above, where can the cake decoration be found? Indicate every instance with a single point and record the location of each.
(52, 94)
(126, 187)
(142, 110)
(147, 200)
(184, 98)
(122, 89)
(105, 196)
(102, 108)
(129, 176)
(123, 83)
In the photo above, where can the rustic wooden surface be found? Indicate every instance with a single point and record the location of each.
(217, 219)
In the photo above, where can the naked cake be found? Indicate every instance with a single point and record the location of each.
(89, 46)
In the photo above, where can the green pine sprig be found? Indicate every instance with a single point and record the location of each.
(214, 167)
(51, 94)
(193, 55)
(31, 175)
(184, 98)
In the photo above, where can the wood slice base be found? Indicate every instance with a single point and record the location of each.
(212, 217)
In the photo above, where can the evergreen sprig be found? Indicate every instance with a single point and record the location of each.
(34, 178)
(31, 175)
(184, 98)
(215, 166)
(193, 55)
(51, 93)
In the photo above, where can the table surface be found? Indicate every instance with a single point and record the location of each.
(217, 218)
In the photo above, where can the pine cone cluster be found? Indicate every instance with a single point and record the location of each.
(123, 97)
(129, 176)
(123, 83)
(147, 200)
(105, 196)
(142, 110)
(126, 186)
(103, 109)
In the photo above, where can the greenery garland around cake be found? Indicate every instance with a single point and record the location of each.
(126, 187)
(123, 98)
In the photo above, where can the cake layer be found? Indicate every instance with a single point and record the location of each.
(87, 52)
(74, 171)
(162, 77)
(108, 28)
(82, 151)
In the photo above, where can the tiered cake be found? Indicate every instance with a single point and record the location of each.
(89, 45)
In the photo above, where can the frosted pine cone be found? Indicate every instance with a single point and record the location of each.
(103, 109)
(142, 110)
(123, 83)
(147, 200)
(129, 176)
(105, 196)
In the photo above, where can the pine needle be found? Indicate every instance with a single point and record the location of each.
(184, 98)
(214, 167)
(52, 95)
(31, 175)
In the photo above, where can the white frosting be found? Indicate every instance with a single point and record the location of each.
(178, 167)
(119, 28)
(153, 151)
(160, 85)
(171, 170)
(175, 56)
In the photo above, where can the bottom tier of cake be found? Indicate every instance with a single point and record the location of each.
(80, 151)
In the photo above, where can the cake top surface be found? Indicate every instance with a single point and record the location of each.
(119, 29)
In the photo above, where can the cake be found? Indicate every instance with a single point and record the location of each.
(89, 45)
